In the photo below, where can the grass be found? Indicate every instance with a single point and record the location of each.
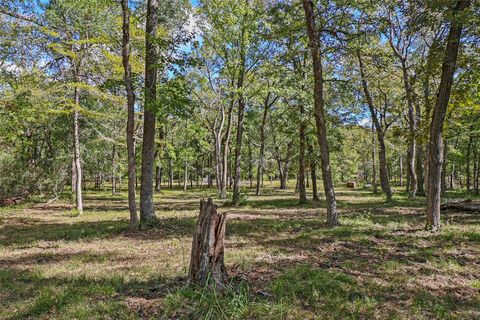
(283, 262)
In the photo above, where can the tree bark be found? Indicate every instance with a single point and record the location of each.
(261, 153)
(226, 150)
(476, 172)
(238, 148)
(435, 157)
(185, 175)
(443, 182)
(207, 255)
(400, 170)
(76, 148)
(468, 160)
(250, 164)
(313, 172)
(374, 166)
(158, 178)
(332, 214)
(147, 211)
(114, 179)
(302, 190)
(419, 168)
(412, 124)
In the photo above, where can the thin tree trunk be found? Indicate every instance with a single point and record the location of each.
(114, 180)
(332, 214)
(301, 160)
(400, 169)
(468, 160)
(435, 142)
(238, 148)
(226, 150)
(158, 178)
(76, 149)
(374, 166)
(443, 186)
(147, 211)
(313, 172)
(412, 149)
(185, 175)
(159, 154)
(170, 173)
(250, 164)
(74, 177)
(476, 171)
(261, 153)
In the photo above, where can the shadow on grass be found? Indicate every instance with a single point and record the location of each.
(28, 295)
(26, 234)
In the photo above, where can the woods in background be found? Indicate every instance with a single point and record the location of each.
(234, 94)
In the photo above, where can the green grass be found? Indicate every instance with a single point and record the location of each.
(283, 261)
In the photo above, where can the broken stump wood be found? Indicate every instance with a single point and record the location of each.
(206, 260)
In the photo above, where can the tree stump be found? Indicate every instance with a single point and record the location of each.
(206, 260)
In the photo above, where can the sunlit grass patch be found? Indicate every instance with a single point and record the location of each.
(326, 292)
(380, 263)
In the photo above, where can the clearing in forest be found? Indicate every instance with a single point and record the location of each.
(283, 262)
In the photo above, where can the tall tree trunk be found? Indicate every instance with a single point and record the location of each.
(159, 155)
(435, 158)
(313, 172)
(402, 53)
(420, 155)
(74, 178)
(468, 160)
(374, 166)
(452, 176)
(419, 168)
(238, 152)
(158, 178)
(280, 174)
(250, 164)
(400, 169)
(238, 148)
(261, 153)
(302, 190)
(147, 211)
(412, 124)
(219, 165)
(185, 176)
(170, 173)
(332, 215)
(76, 149)
(476, 171)
(384, 179)
(443, 183)
(226, 150)
(114, 179)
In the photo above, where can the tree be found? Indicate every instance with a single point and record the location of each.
(381, 125)
(147, 211)
(332, 215)
(435, 157)
(131, 112)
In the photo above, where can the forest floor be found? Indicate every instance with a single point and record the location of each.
(284, 263)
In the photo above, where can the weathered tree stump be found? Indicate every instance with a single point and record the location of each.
(206, 260)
